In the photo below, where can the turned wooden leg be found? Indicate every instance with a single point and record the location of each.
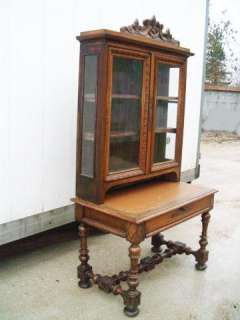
(157, 241)
(131, 297)
(202, 254)
(84, 269)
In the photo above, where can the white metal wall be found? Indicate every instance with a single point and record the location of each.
(221, 111)
(38, 97)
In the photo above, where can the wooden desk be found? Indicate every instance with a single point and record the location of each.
(136, 213)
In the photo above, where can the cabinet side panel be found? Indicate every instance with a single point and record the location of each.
(79, 123)
(89, 109)
(89, 101)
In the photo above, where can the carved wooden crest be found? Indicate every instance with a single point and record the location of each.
(150, 28)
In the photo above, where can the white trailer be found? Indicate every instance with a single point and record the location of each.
(39, 59)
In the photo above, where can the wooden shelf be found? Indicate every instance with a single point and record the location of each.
(165, 130)
(122, 134)
(125, 96)
(169, 99)
(90, 97)
(88, 136)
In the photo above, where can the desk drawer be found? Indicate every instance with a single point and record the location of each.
(173, 217)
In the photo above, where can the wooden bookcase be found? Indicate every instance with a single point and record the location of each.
(130, 109)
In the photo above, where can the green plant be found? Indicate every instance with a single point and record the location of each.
(221, 63)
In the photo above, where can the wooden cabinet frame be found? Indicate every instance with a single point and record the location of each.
(106, 45)
(168, 60)
(117, 52)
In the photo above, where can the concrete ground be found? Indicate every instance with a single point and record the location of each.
(42, 285)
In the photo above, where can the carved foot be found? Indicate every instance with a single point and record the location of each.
(84, 269)
(131, 313)
(201, 258)
(84, 275)
(200, 267)
(84, 285)
(132, 300)
(201, 255)
(131, 297)
(157, 242)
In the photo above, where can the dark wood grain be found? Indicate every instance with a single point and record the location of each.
(84, 269)
(202, 254)
(157, 242)
(131, 297)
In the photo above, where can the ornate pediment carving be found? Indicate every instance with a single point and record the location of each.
(150, 28)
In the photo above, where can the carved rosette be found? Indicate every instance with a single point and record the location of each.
(152, 29)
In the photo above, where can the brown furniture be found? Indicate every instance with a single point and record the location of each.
(130, 109)
(136, 213)
(130, 132)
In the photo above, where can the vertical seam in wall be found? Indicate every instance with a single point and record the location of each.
(43, 102)
(9, 175)
(203, 81)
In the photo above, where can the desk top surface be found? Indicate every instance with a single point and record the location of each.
(140, 202)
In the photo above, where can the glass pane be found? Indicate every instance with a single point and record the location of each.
(173, 82)
(164, 149)
(125, 114)
(170, 146)
(89, 115)
(127, 76)
(167, 80)
(166, 114)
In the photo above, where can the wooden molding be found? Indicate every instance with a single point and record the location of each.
(150, 28)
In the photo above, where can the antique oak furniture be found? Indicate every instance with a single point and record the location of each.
(129, 147)
(131, 108)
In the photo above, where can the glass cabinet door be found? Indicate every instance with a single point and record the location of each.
(89, 115)
(165, 113)
(126, 113)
